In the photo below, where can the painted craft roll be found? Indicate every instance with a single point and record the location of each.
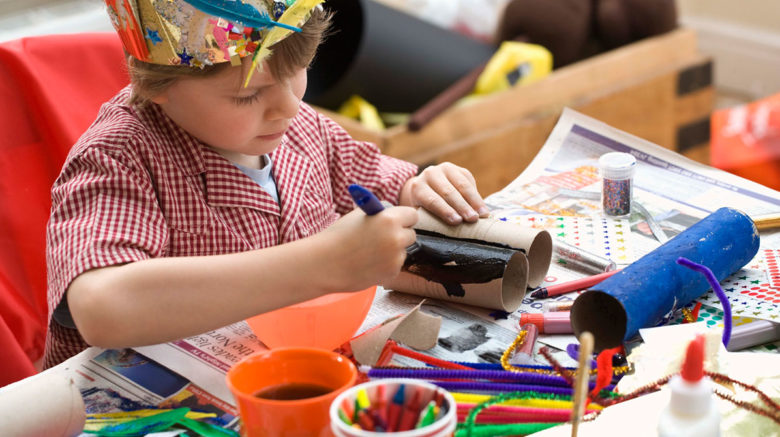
(463, 272)
(536, 244)
(643, 293)
(488, 264)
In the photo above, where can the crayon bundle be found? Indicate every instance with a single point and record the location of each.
(393, 405)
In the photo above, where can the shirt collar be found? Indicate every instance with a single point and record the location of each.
(225, 185)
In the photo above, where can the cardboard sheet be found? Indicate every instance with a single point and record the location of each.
(414, 329)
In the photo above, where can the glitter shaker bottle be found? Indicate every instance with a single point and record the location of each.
(617, 172)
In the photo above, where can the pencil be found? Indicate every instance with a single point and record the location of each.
(767, 221)
(568, 287)
(555, 306)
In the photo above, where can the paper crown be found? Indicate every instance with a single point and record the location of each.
(202, 32)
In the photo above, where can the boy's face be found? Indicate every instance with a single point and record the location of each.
(239, 123)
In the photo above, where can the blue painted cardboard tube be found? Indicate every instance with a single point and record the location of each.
(641, 294)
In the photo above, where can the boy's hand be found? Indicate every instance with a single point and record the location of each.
(447, 191)
(359, 251)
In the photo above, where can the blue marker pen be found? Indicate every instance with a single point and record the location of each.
(369, 203)
(365, 200)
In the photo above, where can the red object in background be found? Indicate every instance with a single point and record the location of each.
(51, 88)
(745, 140)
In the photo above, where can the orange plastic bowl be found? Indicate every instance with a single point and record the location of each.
(288, 418)
(326, 322)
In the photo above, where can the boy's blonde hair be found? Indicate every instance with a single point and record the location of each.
(294, 52)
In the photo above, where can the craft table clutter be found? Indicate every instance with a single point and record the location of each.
(529, 385)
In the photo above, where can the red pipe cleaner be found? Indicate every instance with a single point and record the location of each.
(695, 312)
(426, 358)
(604, 365)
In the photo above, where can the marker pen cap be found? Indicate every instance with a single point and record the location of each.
(536, 319)
(558, 322)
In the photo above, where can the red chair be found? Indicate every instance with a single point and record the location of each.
(51, 88)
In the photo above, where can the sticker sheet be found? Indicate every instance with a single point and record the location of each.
(601, 236)
(749, 292)
(713, 317)
(772, 259)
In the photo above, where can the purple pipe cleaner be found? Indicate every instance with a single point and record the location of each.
(496, 387)
(573, 350)
(495, 375)
(724, 301)
(493, 387)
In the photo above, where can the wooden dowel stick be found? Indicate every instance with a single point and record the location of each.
(581, 381)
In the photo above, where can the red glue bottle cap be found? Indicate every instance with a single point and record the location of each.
(693, 366)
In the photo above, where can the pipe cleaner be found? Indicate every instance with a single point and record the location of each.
(713, 281)
(438, 374)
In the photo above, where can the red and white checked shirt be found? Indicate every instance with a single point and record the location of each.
(137, 186)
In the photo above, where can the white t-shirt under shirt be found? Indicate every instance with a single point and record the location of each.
(263, 176)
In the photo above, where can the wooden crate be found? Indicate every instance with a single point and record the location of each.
(659, 89)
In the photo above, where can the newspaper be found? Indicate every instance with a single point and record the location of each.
(561, 182)
(675, 190)
(121, 380)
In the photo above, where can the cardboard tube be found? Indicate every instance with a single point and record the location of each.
(505, 291)
(45, 405)
(536, 244)
(640, 295)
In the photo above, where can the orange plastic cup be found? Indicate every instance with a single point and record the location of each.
(288, 418)
(326, 322)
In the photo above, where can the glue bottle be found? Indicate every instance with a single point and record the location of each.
(692, 411)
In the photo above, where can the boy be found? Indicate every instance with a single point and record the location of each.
(197, 197)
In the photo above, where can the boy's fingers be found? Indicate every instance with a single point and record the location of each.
(442, 183)
(480, 204)
(410, 237)
(468, 175)
(464, 183)
(408, 216)
(433, 202)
